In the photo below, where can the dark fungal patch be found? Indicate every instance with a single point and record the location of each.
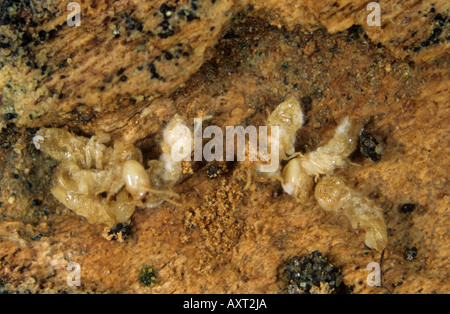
(62, 64)
(26, 39)
(36, 202)
(147, 275)
(23, 18)
(168, 56)
(42, 35)
(166, 10)
(169, 24)
(411, 254)
(131, 23)
(120, 72)
(10, 116)
(125, 231)
(213, 171)
(369, 146)
(191, 16)
(440, 32)
(230, 35)
(11, 12)
(355, 32)
(166, 29)
(166, 26)
(37, 237)
(153, 72)
(44, 69)
(305, 273)
(4, 45)
(407, 208)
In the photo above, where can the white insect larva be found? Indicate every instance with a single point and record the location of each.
(177, 146)
(61, 145)
(177, 139)
(94, 151)
(332, 195)
(296, 181)
(296, 177)
(333, 154)
(288, 116)
(136, 179)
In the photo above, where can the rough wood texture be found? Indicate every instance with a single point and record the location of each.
(132, 65)
(127, 53)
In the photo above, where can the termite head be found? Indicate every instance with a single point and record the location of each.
(136, 179)
(296, 181)
(330, 191)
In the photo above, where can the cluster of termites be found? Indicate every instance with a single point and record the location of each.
(106, 183)
(313, 171)
(287, 117)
